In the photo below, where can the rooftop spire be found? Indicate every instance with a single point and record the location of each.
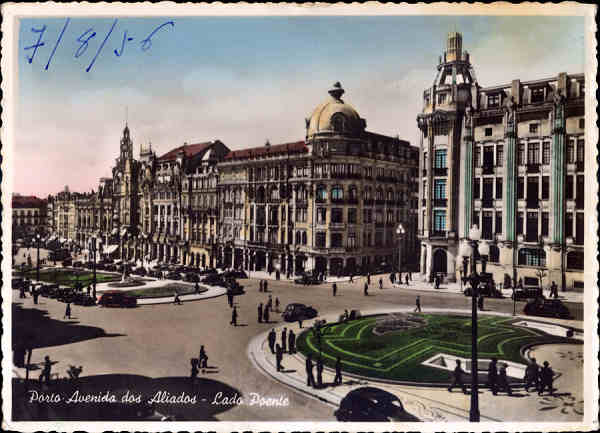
(337, 91)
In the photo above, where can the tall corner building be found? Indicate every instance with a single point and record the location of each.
(508, 158)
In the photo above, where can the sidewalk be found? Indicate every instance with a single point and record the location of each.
(427, 403)
(263, 275)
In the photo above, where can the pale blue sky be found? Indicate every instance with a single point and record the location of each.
(243, 80)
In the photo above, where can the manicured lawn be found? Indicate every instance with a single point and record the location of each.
(163, 291)
(69, 277)
(398, 355)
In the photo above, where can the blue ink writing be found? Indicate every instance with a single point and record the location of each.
(102, 45)
(57, 42)
(39, 42)
(83, 40)
(147, 43)
(125, 39)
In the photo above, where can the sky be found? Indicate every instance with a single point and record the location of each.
(243, 80)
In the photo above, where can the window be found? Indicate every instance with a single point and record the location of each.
(533, 128)
(389, 216)
(498, 228)
(533, 153)
(337, 192)
(476, 188)
(337, 215)
(546, 153)
(498, 187)
(532, 257)
(367, 216)
(493, 100)
(569, 224)
(321, 193)
(571, 152)
(378, 239)
(321, 215)
(537, 95)
(521, 154)
(439, 189)
(580, 150)
(441, 98)
(494, 254)
(545, 223)
(486, 225)
(519, 223)
(499, 155)
(440, 158)
(439, 220)
(488, 132)
(520, 187)
(352, 240)
(352, 216)
(320, 239)
(575, 260)
(532, 226)
(569, 188)
(378, 216)
(301, 215)
(477, 156)
(582, 123)
(545, 187)
(336, 240)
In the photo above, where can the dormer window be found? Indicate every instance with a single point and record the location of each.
(537, 94)
(493, 100)
(338, 122)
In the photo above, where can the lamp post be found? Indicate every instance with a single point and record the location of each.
(38, 238)
(467, 250)
(400, 231)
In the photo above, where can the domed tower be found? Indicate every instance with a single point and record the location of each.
(452, 94)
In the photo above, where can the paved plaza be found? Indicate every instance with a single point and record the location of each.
(154, 343)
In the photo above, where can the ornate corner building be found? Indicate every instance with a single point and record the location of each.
(510, 159)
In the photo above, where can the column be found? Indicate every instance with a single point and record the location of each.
(423, 257)
(451, 265)
(428, 264)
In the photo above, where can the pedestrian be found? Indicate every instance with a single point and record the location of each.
(277, 304)
(366, 289)
(480, 302)
(89, 289)
(230, 299)
(457, 378)
(266, 314)
(310, 379)
(202, 358)
(300, 323)
(292, 342)
(554, 290)
(334, 287)
(22, 292)
(546, 379)
(532, 375)
(352, 276)
(265, 287)
(503, 379)
(68, 311)
(338, 371)
(196, 287)
(409, 276)
(272, 337)
(284, 339)
(278, 356)
(320, 372)
(234, 317)
(260, 286)
(418, 304)
(194, 371)
(437, 282)
(380, 284)
(270, 302)
(369, 278)
(346, 315)
(260, 312)
(36, 294)
(392, 278)
(46, 371)
(493, 376)
(406, 279)
(176, 300)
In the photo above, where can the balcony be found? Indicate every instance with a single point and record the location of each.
(487, 169)
(533, 168)
(440, 171)
(337, 200)
(320, 200)
(438, 234)
(440, 202)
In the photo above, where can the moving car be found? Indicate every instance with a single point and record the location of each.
(372, 404)
(114, 298)
(294, 312)
(547, 308)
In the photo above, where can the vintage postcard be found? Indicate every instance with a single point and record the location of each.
(288, 217)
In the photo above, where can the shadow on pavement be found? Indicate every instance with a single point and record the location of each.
(175, 397)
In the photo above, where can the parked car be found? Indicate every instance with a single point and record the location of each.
(83, 299)
(48, 290)
(173, 276)
(234, 274)
(307, 279)
(208, 271)
(115, 298)
(213, 280)
(66, 294)
(487, 287)
(155, 273)
(191, 277)
(527, 293)
(17, 283)
(372, 404)
(294, 312)
(547, 308)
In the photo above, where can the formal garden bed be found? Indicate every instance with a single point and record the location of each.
(70, 277)
(165, 291)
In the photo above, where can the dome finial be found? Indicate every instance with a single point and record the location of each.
(337, 91)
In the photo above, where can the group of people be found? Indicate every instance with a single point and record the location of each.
(287, 344)
(539, 378)
(198, 363)
(407, 277)
(310, 378)
(264, 310)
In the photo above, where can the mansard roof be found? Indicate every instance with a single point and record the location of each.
(189, 149)
(268, 150)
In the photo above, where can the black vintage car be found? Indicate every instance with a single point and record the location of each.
(66, 294)
(213, 280)
(191, 277)
(527, 292)
(233, 287)
(487, 287)
(307, 279)
(294, 312)
(49, 290)
(174, 276)
(83, 299)
(234, 274)
(369, 404)
(547, 308)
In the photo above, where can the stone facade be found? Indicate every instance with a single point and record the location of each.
(509, 159)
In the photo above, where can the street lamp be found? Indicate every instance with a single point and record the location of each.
(467, 250)
(38, 238)
(400, 231)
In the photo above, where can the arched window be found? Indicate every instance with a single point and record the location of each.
(321, 193)
(274, 194)
(532, 257)
(338, 122)
(260, 195)
(337, 192)
(494, 254)
(575, 260)
(379, 194)
(352, 192)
